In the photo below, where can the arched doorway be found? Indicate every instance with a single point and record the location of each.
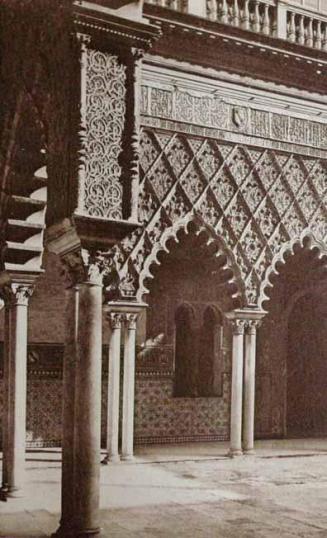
(291, 372)
(192, 285)
(306, 409)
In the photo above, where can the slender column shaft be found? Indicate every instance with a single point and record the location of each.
(237, 389)
(249, 388)
(6, 421)
(128, 387)
(88, 410)
(113, 388)
(16, 390)
(68, 417)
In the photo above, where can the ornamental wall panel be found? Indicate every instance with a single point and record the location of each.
(256, 199)
(103, 121)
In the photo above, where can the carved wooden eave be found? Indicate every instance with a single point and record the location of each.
(215, 45)
(114, 29)
(100, 233)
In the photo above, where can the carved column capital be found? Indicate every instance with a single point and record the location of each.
(131, 320)
(83, 39)
(238, 326)
(136, 54)
(252, 325)
(17, 294)
(115, 319)
(82, 266)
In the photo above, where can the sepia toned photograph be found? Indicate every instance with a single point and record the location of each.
(163, 268)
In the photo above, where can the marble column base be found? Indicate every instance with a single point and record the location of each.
(249, 451)
(111, 459)
(64, 532)
(127, 458)
(233, 453)
(7, 493)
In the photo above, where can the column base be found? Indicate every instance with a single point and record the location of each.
(111, 459)
(88, 532)
(127, 458)
(69, 532)
(249, 451)
(235, 452)
(63, 531)
(3, 493)
(11, 493)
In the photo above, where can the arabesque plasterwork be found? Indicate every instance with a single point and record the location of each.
(104, 121)
(255, 199)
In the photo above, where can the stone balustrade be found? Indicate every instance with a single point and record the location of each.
(297, 21)
(306, 28)
(256, 15)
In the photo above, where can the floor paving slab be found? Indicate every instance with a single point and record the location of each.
(188, 491)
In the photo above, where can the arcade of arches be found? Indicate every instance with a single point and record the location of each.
(163, 238)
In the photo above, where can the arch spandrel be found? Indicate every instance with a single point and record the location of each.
(184, 226)
(254, 199)
(306, 240)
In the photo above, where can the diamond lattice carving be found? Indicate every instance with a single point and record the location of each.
(161, 179)
(192, 183)
(257, 200)
(177, 155)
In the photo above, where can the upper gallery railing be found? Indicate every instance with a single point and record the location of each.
(299, 21)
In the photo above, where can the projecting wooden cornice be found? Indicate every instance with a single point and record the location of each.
(214, 45)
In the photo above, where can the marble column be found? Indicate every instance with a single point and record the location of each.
(115, 320)
(128, 387)
(249, 387)
(88, 406)
(17, 298)
(237, 388)
(68, 416)
(5, 416)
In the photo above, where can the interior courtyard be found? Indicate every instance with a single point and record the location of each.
(163, 268)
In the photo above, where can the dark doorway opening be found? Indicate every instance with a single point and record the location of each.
(306, 410)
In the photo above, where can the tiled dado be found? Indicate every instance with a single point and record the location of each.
(159, 417)
(46, 360)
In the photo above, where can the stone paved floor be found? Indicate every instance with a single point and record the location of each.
(189, 491)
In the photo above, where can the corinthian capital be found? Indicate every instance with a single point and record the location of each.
(252, 326)
(17, 294)
(238, 326)
(115, 320)
(131, 320)
(83, 266)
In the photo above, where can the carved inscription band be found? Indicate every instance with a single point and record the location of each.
(214, 112)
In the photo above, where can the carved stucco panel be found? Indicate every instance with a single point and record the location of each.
(104, 125)
(257, 200)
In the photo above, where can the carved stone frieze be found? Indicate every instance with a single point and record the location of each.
(208, 110)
